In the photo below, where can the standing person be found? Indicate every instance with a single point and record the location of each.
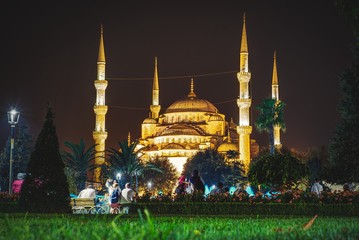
(88, 192)
(127, 197)
(196, 182)
(317, 188)
(17, 184)
(110, 186)
(114, 198)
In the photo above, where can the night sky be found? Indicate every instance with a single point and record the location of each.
(49, 54)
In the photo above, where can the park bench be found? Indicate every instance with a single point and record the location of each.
(88, 206)
(83, 205)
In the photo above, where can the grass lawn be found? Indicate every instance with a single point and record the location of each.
(144, 226)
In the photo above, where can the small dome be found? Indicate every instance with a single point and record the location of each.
(216, 118)
(149, 121)
(227, 146)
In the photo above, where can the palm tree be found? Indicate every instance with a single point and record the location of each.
(126, 161)
(79, 161)
(271, 114)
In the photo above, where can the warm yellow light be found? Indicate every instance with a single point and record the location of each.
(178, 162)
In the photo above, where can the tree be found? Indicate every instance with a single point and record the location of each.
(212, 167)
(344, 145)
(271, 114)
(79, 161)
(45, 188)
(23, 144)
(164, 181)
(278, 170)
(126, 161)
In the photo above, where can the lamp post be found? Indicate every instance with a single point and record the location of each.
(13, 119)
(118, 176)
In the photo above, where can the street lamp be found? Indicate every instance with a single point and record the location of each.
(13, 119)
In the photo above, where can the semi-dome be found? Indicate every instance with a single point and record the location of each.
(180, 130)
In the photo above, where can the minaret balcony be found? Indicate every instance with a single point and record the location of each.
(101, 84)
(244, 102)
(99, 135)
(243, 76)
(244, 129)
(100, 109)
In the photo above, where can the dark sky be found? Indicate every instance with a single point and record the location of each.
(49, 53)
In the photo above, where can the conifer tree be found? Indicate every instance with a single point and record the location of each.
(344, 146)
(45, 188)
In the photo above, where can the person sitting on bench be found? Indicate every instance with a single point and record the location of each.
(127, 197)
(88, 192)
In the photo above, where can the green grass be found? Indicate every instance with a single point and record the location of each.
(36, 226)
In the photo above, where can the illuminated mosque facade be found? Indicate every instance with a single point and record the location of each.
(190, 124)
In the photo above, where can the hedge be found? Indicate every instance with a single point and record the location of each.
(270, 209)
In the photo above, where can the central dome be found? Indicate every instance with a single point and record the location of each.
(192, 104)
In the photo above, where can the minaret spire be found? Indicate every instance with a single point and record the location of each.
(155, 107)
(191, 94)
(244, 45)
(275, 95)
(129, 139)
(100, 109)
(244, 102)
(101, 51)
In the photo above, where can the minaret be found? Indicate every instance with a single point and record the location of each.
(155, 107)
(275, 95)
(100, 109)
(244, 103)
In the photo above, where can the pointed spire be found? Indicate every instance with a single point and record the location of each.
(275, 75)
(229, 136)
(191, 93)
(129, 139)
(155, 78)
(244, 46)
(101, 51)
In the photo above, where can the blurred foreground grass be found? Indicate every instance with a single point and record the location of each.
(146, 226)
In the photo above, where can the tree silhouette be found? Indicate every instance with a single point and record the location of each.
(45, 188)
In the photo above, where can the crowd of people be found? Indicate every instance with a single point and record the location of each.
(196, 183)
(114, 197)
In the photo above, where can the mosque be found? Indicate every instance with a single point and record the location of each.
(190, 124)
